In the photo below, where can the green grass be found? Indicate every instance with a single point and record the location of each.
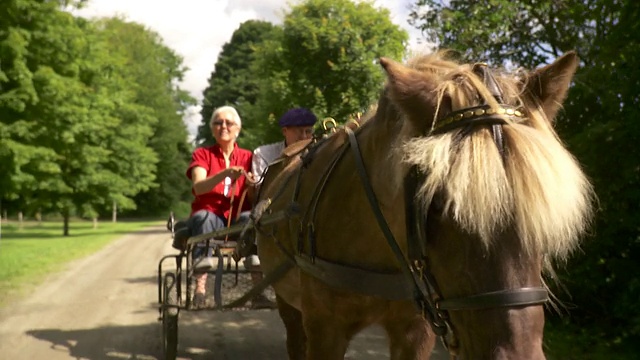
(28, 255)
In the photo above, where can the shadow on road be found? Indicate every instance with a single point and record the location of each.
(110, 342)
(206, 335)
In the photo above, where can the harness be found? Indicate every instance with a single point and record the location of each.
(414, 280)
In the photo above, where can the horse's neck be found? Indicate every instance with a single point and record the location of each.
(376, 147)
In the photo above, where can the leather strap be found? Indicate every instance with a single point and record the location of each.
(390, 286)
(497, 299)
(492, 85)
(258, 288)
(373, 204)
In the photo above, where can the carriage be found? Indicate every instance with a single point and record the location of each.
(434, 217)
(231, 286)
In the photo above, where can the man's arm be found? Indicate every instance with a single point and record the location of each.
(258, 164)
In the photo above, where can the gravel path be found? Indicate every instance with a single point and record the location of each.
(105, 307)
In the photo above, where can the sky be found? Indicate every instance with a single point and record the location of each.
(197, 30)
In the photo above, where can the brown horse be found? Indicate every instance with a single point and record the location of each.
(435, 217)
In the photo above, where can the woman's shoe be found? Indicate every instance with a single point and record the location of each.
(203, 264)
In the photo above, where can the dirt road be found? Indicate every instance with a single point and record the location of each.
(105, 307)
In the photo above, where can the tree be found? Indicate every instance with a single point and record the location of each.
(98, 133)
(17, 92)
(599, 124)
(325, 59)
(502, 31)
(152, 69)
(234, 82)
(74, 139)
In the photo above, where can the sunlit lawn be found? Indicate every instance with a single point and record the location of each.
(27, 255)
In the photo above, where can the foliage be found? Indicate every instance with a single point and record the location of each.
(566, 341)
(76, 131)
(325, 59)
(152, 68)
(599, 125)
(526, 33)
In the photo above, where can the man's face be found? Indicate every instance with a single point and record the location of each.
(293, 134)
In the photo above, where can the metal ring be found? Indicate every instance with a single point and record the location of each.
(327, 121)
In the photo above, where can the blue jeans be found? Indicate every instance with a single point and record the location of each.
(203, 222)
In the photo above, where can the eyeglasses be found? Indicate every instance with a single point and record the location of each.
(228, 123)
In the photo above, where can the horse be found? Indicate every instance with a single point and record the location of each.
(436, 217)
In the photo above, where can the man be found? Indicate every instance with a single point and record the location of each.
(296, 124)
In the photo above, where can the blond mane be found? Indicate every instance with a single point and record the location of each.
(540, 190)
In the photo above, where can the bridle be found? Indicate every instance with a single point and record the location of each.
(415, 266)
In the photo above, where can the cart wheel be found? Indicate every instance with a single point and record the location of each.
(170, 317)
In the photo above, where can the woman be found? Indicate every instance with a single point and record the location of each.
(217, 175)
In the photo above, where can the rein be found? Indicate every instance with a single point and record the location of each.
(249, 180)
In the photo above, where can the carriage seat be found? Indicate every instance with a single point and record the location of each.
(182, 233)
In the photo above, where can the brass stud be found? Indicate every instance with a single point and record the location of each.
(509, 111)
(517, 113)
(459, 117)
(479, 112)
(468, 114)
(491, 111)
(500, 111)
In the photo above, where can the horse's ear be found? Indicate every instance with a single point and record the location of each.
(550, 84)
(408, 88)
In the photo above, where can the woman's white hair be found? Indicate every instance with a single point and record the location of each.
(226, 109)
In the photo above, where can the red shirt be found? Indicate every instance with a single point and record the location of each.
(212, 160)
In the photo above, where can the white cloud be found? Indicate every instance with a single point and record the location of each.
(197, 29)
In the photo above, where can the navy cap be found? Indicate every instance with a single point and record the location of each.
(297, 117)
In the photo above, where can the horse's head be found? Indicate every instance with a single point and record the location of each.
(497, 193)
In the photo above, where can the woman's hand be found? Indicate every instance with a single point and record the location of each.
(235, 172)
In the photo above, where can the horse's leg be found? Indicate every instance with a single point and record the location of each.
(292, 319)
(327, 319)
(326, 339)
(409, 338)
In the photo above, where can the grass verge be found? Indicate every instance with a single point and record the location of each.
(27, 255)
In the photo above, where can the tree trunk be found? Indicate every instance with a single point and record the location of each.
(95, 223)
(65, 216)
(20, 220)
(39, 218)
(114, 215)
